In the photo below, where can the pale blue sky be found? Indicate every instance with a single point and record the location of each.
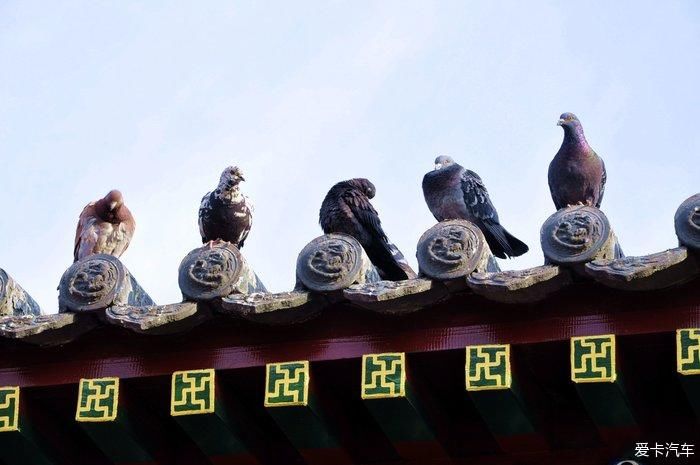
(156, 98)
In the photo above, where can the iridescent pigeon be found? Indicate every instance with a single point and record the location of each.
(105, 226)
(347, 209)
(453, 192)
(576, 174)
(226, 214)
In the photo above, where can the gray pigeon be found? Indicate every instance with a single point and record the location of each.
(576, 174)
(226, 214)
(347, 209)
(452, 192)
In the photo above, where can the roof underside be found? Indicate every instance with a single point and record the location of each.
(434, 340)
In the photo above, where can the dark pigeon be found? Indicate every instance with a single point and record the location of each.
(226, 214)
(576, 174)
(105, 226)
(346, 209)
(452, 192)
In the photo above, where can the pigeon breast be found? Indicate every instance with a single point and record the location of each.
(442, 190)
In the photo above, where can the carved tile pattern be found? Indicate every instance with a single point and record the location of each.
(93, 279)
(213, 271)
(212, 268)
(574, 233)
(332, 260)
(451, 245)
(687, 222)
(24, 325)
(503, 277)
(386, 290)
(450, 249)
(151, 316)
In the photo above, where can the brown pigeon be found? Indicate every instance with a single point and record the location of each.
(105, 226)
(453, 192)
(226, 214)
(347, 209)
(576, 174)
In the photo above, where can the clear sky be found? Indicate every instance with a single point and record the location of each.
(156, 98)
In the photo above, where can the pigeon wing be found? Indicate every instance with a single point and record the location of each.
(124, 233)
(477, 198)
(247, 215)
(204, 213)
(81, 229)
(365, 213)
(552, 179)
(484, 214)
(603, 179)
(385, 255)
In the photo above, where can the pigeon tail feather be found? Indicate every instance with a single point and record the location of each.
(618, 251)
(502, 243)
(401, 261)
(387, 258)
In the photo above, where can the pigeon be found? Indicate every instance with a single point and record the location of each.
(347, 209)
(105, 226)
(226, 214)
(576, 174)
(453, 192)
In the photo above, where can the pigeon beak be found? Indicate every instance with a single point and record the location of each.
(560, 122)
(438, 166)
(112, 205)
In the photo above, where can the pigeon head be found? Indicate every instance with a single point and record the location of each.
(364, 185)
(111, 207)
(113, 200)
(568, 120)
(443, 161)
(230, 178)
(573, 131)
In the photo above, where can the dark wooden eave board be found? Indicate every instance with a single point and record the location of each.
(654, 388)
(459, 428)
(338, 386)
(52, 415)
(658, 403)
(545, 381)
(245, 390)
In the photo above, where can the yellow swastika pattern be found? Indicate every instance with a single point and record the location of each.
(383, 375)
(98, 400)
(688, 351)
(287, 384)
(9, 408)
(488, 367)
(192, 392)
(593, 359)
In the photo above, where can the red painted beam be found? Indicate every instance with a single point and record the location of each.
(344, 332)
